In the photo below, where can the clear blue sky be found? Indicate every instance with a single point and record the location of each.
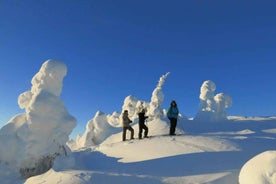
(116, 48)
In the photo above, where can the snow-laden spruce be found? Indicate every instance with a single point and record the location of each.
(212, 108)
(29, 142)
(157, 98)
(98, 129)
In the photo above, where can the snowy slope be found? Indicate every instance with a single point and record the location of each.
(160, 145)
(214, 152)
(210, 153)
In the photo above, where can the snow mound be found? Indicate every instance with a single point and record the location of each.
(65, 177)
(272, 131)
(260, 170)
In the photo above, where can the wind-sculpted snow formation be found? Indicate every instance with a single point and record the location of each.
(212, 107)
(102, 125)
(30, 142)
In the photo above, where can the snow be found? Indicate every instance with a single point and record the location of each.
(220, 150)
(272, 131)
(259, 170)
(179, 145)
(203, 153)
(97, 130)
(37, 136)
(157, 98)
(102, 125)
(212, 107)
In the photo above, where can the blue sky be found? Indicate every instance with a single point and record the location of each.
(118, 48)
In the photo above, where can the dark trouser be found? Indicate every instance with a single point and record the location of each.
(141, 127)
(124, 132)
(173, 122)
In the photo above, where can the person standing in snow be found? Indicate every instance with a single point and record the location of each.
(172, 115)
(126, 126)
(142, 125)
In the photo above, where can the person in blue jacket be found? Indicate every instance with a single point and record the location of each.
(172, 115)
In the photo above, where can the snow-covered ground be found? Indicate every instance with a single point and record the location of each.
(208, 149)
(212, 153)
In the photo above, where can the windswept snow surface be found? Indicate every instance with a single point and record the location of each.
(205, 153)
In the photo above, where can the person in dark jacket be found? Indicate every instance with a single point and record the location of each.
(172, 115)
(142, 125)
(126, 126)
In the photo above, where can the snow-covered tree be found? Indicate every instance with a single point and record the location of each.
(212, 107)
(134, 106)
(102, 125)
(114, 119)
(32, 140)
(130, 103)
(157, 98)
(223, 101)
(97, 130)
